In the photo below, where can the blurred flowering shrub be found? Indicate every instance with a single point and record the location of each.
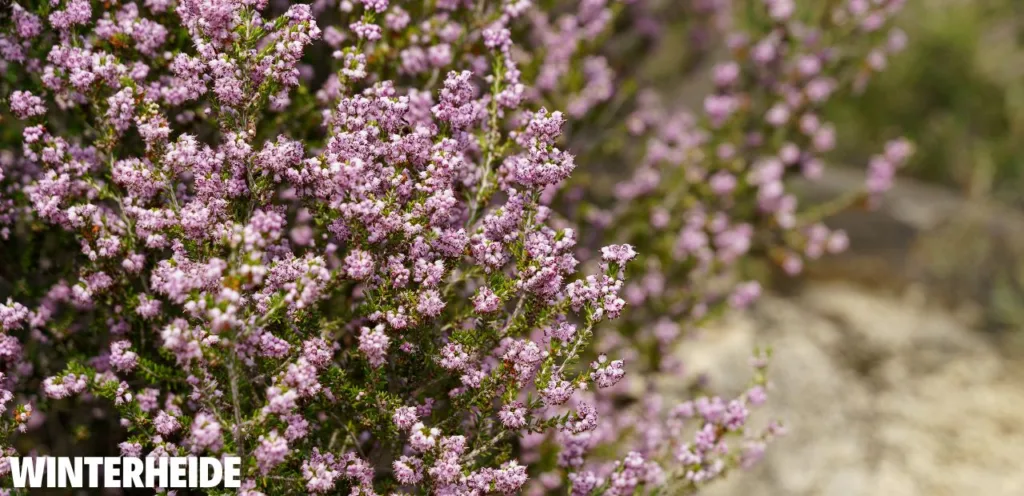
(336, 239)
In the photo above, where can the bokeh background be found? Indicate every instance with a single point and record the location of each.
(898, 366)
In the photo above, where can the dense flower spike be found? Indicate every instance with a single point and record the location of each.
(336, 238)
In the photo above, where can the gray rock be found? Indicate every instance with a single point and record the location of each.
(881, 395)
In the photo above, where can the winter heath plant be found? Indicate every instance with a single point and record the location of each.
(344, 240)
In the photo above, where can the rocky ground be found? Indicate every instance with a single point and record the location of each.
(899, 367)
(882, 395)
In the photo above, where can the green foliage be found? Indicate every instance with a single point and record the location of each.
(957, 92)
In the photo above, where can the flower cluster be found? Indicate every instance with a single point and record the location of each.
(714, 187)
(335, 239)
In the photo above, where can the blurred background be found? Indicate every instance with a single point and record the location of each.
(898, 366)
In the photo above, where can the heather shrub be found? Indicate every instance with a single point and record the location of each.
(344, 242)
